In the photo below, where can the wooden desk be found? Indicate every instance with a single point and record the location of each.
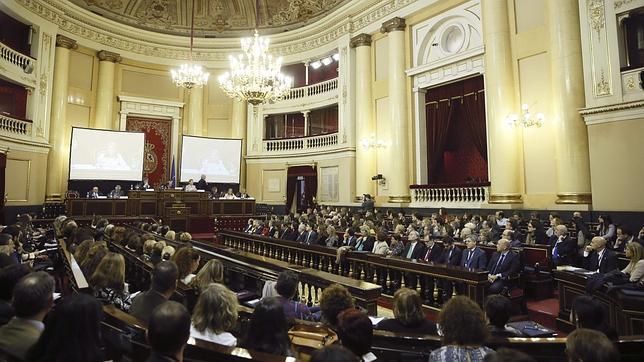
(103, 207)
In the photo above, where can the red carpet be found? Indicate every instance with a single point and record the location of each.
(545, 312)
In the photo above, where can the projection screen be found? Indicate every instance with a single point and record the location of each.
(217, 158)
(106, 155)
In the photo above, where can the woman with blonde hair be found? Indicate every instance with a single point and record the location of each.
(167, 253)
(185, 237)
(332, 238)
(635, 269)
(214, 315)
(148, 246)
(409, 315)
(211, 272)
(170, 235)
(108, 281)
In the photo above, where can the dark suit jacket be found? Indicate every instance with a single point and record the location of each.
(608, 262)
(453, 259)
(436, 253)
(115, 194)
(566, 250)
(510, 266)
(202, 184)
(144, 304)
(91, 195)
(367, 243)
(417, 253)
(352, 241)
(17, 337)
(290, 234)
(310, 237)
(477, 261)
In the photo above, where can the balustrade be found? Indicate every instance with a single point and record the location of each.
(457, 195)
(24, 62)
(297, 144)
(313, 89)
(15, 126)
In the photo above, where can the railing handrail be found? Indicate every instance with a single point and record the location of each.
(299, 138)
(447, 186)
(312, 89)
(15, 125)
(16, 58)
(303, 143)
(3, 115)
(3, 45)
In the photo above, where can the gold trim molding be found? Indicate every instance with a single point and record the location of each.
(505, 199)
(404, 199)
(574, 198)
(393, 25)
(611, 108)
(105, 55)
(65, 42)
(360, 40)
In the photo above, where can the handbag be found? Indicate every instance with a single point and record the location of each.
(311, 336)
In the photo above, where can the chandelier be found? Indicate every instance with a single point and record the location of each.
(255, 76)
(190, 75)
(526, 119)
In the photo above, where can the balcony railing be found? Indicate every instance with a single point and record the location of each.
(313, 89)
(465, 195)
(20, 60)
(297, 144)
(14, 126)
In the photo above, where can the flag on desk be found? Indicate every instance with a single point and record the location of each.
(172, 174)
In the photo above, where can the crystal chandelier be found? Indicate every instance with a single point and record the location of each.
(526, 119)
(255, 75)
(190, 75)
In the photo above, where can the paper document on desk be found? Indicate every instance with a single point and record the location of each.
(376, 320)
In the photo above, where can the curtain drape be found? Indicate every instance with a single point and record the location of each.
(474, 117)
(310, 175)
(439, 117)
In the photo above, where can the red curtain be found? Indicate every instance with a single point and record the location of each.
(439, 117)
(158, 146)
(474, 117)
(310, 175)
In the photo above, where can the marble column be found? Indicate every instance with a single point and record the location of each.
(195, 111)
(397, 172)
(240, 120)
(503, 150)
(365, 122)
(58, 125)
(103, 115)
(571, 138)
(307, 128)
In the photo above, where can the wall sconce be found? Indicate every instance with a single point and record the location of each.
(372, 142)
(526, 119)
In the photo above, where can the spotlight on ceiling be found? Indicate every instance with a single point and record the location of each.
(336, 56)
(316, 64)
(327, 61)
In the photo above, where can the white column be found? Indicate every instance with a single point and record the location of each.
(240, 121)
(58, 125)
(364, 120)
(571, 138)
(306, 123)
(420, 134)
(105, 90)
(195, 111)
(503, 150)
(398, 173)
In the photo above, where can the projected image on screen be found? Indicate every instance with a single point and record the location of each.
(106, 155)
(217, 158)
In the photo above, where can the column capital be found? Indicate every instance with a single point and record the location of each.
(393, 25)
(360, 40)
(65, 42)
(105, 55)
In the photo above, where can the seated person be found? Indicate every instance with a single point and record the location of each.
(268, 329)
(286, 287)
(242, 194)
(187, 260)
(202, 184)
(214, 192)
(451, 255)
(503, 264)
(589, 345)
(108, 282)
(32, 300)
(145, 184)
(356, 333)
(511, 235)
(215, 315)
(586, 312)
(635, 268)
(334, 299)
(164, 283)
(599, 258)
(473, 257)
(624, 237)
(335, 353)
(409, 315)
(94, 193)
(168, 332)
(190, 186)
(497, 312)
(229, 195)
(413, 249)
(9, 277)
(563, 248)
(116, 193)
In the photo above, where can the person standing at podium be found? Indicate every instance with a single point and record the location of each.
(202, 184)
(94, 193)
(116, 193)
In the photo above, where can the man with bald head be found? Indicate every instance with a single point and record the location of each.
(504, 263)
(563, 248)
(598, 258)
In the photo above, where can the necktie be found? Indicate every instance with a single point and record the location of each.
(498, 263)
(411, 250)
(599, 260)
(469, 257)
(429, 254)
(449, 256)
(359, 245)
(308, 235)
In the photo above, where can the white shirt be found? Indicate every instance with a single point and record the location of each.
(224, 338)
(188, 279)
(191, 188)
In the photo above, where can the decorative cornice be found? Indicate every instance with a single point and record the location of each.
(505, 199)
(360, 40)
(65, 42)
(91, 27)
(393, 25)
(611, 108)
(105, 55)
(574, 198)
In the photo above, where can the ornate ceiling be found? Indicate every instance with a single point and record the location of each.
(213, 18)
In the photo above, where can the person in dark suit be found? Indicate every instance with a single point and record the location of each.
(504, 263)
(498, 310)
(473, 257)
(597, 257)
(32, 300)
(290, 233)
(116, 193)
(366, 240)
(168, 332)
(451, 255)
(310, 236)
(94, 193)
(433, 253)
(164, 283)
(562, 247)
(202, 184)
(349, 238)
(414, 249)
